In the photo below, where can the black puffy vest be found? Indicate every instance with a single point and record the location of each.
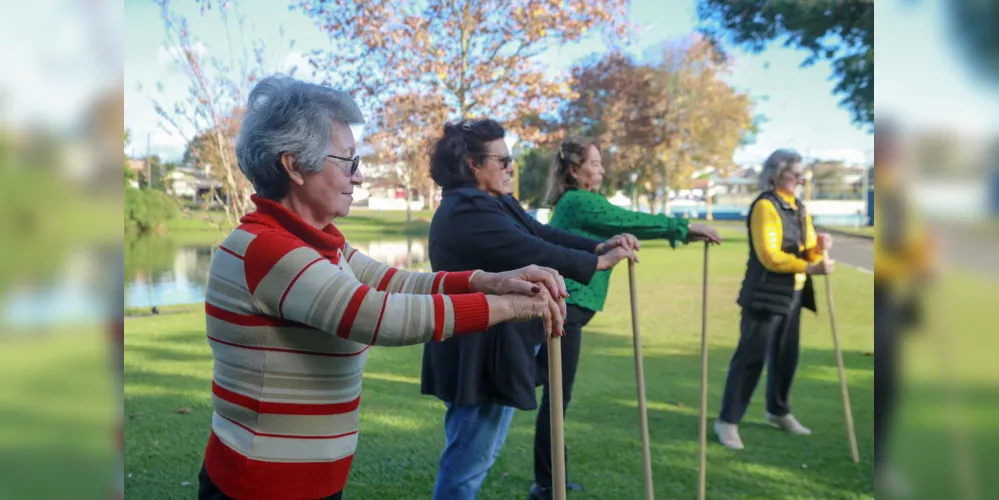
(764, 290)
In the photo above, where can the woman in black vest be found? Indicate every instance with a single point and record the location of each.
(784, 251)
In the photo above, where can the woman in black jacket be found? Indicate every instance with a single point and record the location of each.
(483, 378)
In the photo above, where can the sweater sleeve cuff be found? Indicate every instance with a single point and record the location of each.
(458, 283)
(813, 255)
(679, 234)
(471, 313)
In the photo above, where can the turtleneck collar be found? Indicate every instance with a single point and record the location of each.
(328, 242)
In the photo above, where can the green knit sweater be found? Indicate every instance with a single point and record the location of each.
(589, 214)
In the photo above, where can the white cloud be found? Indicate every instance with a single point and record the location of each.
(295, 61)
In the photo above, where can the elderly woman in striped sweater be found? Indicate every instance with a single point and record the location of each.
(292, 308)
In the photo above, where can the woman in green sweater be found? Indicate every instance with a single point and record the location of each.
(575, 175)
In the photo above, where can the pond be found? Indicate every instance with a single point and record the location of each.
(162, 271)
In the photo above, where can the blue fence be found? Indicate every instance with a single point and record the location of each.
(740, 213)
(870, 207)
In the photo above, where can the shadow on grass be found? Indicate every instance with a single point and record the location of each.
(402, 432)
(605, 401)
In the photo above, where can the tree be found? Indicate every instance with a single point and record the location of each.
(616, 105)
(714, 119)
(152, 178)
(210, 116)
(403, 132)
(479, 56)
(827, 180)
(841, 32)
(129, 174)
(974, 27)
(660, 120)
(534, 165)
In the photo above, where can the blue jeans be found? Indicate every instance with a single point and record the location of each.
(474, 437)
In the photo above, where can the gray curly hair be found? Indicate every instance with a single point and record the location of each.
(775, 165)
(285, 115)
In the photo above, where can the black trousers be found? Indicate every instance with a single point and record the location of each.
(576, 319)
(208, 491)
(764, 336)
(887, 329)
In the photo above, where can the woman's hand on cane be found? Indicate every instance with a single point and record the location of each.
(626, 240)
(516, 307)
(528, 280)
(613, 256)
(824, 266)
(825, 241)
(703, 232)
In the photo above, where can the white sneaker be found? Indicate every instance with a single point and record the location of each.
(789, 424)
(728, 435)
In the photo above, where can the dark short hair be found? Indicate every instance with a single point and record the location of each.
(461, 143)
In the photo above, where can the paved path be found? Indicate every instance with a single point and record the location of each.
(853, 251)
(968, 251)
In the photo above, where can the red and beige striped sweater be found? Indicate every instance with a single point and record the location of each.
(291, 312)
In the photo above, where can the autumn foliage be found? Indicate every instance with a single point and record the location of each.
(478, 56)
(413, 66)
(662, 119)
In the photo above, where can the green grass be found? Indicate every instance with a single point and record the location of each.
(360, 220)
(168, 367)
(58, 415)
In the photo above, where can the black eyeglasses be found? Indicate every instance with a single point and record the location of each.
(506, 160)
(355, 162)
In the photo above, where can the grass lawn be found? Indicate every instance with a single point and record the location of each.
(168, 368)
(209, 227)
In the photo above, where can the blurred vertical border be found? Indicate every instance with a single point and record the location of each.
(61, 277)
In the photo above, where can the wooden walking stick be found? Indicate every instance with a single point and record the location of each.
(703, 472)
(557, 426)
(842, 372)
(643, 418)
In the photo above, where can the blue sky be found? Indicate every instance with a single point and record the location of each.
(801, 109)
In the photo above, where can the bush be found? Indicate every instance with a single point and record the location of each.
(147, 210)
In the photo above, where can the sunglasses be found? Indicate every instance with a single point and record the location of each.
(355, 162)
(505, 160)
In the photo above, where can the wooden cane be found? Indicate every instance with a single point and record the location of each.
(557, 426)
(703, 472)
(643, 417)
(842, 372)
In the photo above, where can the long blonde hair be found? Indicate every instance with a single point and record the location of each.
(571, 154)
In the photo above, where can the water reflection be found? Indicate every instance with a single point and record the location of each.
(162, 271)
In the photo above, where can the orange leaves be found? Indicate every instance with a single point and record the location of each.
(480, 55)
(662, 120)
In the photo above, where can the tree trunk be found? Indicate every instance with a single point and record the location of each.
(665, 197)
(409, 202)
